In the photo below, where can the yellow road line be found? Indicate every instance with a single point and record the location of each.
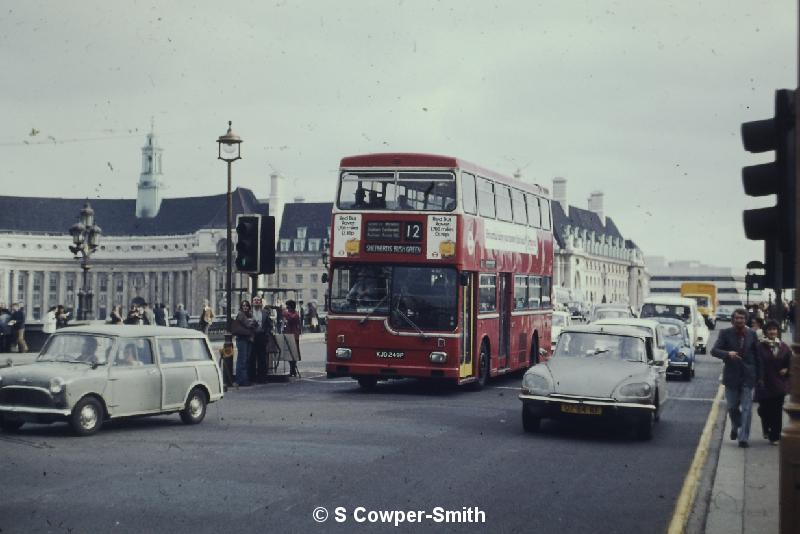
(683, 508)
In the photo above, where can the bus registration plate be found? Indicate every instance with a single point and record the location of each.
(582, 409)
(390, 354)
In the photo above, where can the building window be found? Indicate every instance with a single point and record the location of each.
(314, 278)
(301, 232)
(298, 278)
(284, 278)
(313, 245)
(299, 245)
(284, 245)
(314, 294)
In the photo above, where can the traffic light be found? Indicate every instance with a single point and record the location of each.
(248, 230)
(267, 253)
(776, 224)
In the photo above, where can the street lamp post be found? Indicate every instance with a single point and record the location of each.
(85, 234)
(229, 151)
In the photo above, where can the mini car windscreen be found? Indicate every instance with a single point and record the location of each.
(667, 310)
(77, 348)
(612, 314)
(596, 345)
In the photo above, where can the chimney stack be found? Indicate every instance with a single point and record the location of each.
(596, 204)
(560, 192)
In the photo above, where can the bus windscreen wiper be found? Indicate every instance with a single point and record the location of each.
(409, 321)
(369, 313)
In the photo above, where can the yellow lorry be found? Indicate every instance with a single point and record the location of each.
(705, 294)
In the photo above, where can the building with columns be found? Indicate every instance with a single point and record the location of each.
(592, 260)
(151, 249)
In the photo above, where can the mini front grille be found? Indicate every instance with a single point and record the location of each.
(25, 397)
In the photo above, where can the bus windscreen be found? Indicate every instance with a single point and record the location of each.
(397, 191)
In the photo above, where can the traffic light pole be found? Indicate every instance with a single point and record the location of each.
(790, 437)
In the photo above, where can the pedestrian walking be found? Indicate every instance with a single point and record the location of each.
(148, 316)
(258, 358)
(6, 330)
(757, 326)
(206, 317)
(775, 356)
(244, 329)
(293, 325)
(181, 317)
(115, 317)
(18, 323)
(62, 316)
(160, 314)
(736, 347)
(49, 321)
(134, 317)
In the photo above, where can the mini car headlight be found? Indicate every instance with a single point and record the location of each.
(438, 357)
(343, 354)
(536, 384)
(635, 390)
(56, 385)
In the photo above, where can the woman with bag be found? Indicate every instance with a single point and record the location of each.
(244, 328)
(294, 326)
(775, 358)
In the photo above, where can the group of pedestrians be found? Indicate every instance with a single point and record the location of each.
(143, 314)
(756, 368)
(254, 331)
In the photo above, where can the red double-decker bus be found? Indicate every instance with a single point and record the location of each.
(439, 269)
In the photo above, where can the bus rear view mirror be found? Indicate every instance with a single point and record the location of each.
(464, 279)
(324, 278)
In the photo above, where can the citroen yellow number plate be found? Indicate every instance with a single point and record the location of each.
(582, 409)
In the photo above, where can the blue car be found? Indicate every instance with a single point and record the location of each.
(679, 348)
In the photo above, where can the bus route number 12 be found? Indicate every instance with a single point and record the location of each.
(413, 231)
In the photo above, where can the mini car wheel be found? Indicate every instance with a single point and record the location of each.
(195, 410)
(87, 416)
(644, 426)
(10, 425)
(529, 422)
(367, 383)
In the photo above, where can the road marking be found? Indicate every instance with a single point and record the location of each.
(696, 399)
(689, 490)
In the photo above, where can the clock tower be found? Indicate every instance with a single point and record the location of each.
(148, 200)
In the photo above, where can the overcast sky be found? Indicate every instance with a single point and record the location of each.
(640, 99)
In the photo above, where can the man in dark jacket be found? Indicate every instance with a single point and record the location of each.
(736, 346)
(18, 321)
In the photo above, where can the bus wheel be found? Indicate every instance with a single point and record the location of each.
(534, 351)
(367, 383)
(483, 368)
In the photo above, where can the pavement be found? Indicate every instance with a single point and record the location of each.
(745, 492)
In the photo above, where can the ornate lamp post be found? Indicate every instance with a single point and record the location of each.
(229, 151)
(84, 238)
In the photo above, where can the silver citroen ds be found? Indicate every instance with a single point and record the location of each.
(86, 375)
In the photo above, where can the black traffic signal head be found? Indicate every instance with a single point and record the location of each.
(267, 251)
(775, 224)
(248, 230)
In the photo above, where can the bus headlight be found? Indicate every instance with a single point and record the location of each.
(438, 357)
(56, 385)
(343, 354)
